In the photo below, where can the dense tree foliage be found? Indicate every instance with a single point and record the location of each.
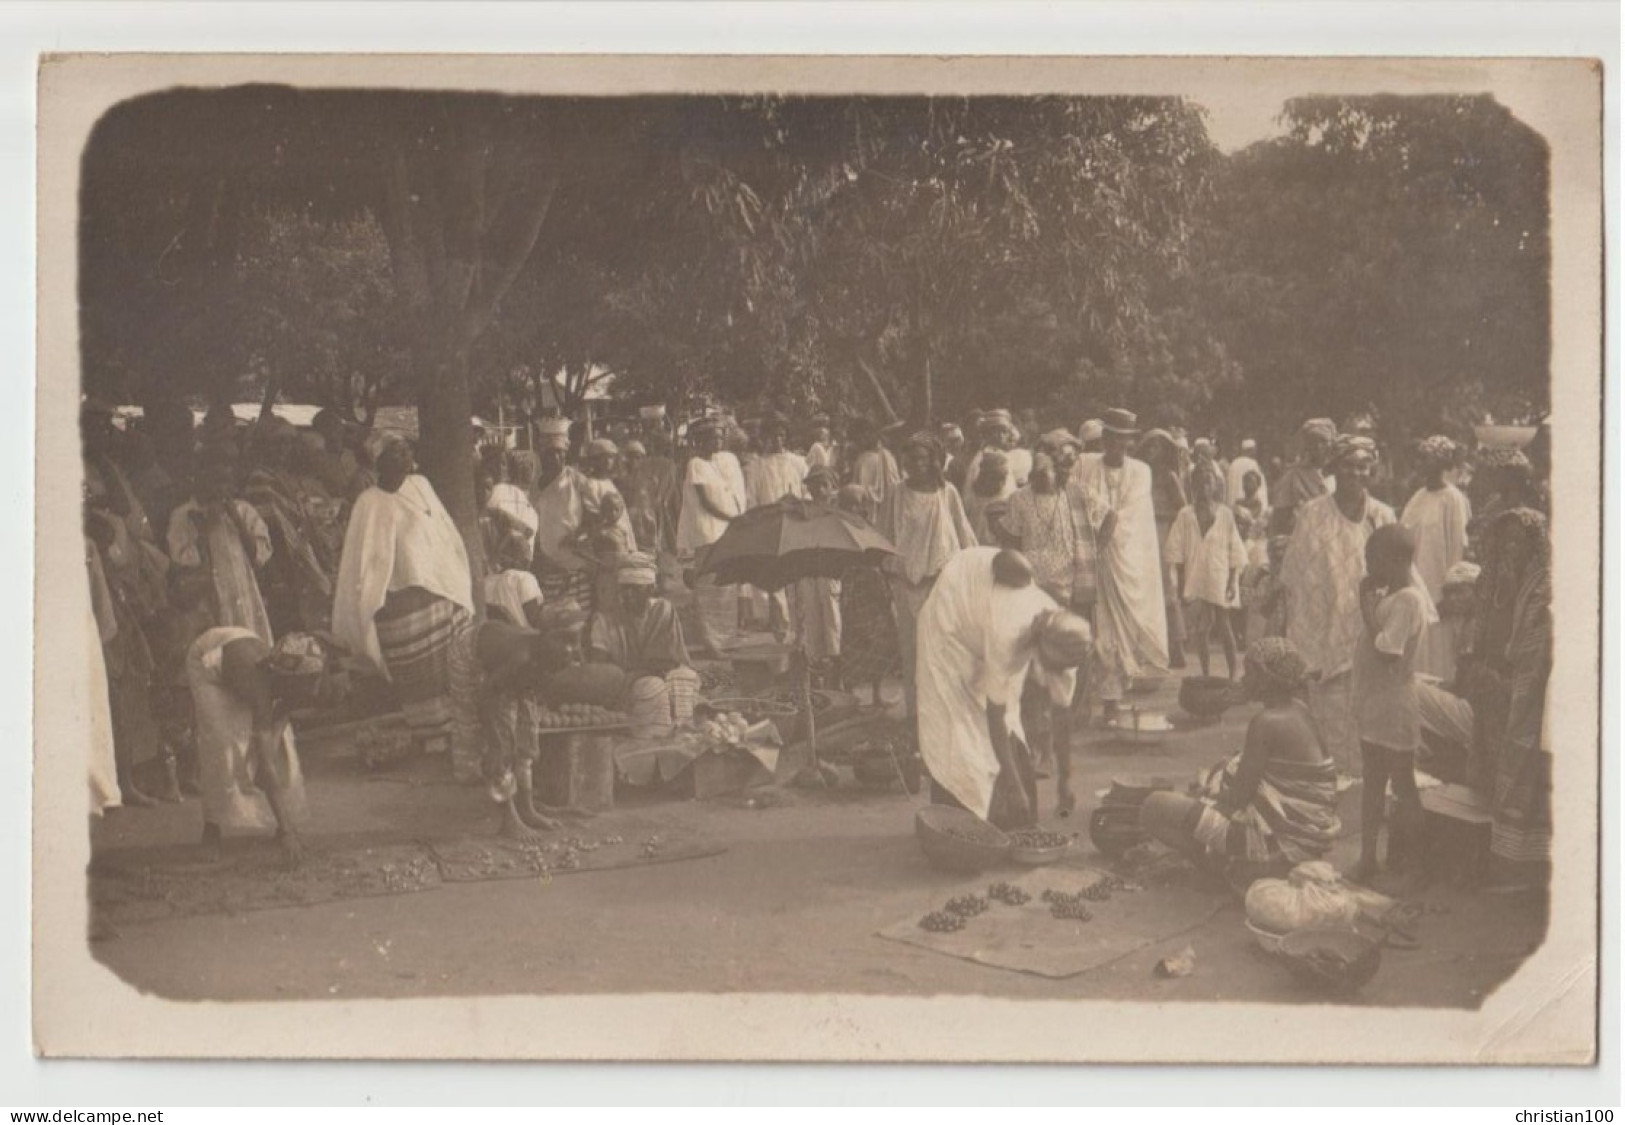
(902, 257)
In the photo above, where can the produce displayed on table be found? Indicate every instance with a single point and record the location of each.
(566, 716)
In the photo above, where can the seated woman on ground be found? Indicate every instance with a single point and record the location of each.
(1273, 805)
(515, 662)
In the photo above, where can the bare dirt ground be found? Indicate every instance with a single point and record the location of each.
(793, 905)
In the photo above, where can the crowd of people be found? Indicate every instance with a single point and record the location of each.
(240, 572)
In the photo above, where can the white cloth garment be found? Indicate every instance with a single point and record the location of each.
(1438, 522)
(976, 648)
(225, 735)
(510, 498)
(876, 470)
(776, 475)
(224, 548)
(396, 540)
(1208, 559)
(560, 505)
(509, 591)
(1131, 620)
(697, 527)
(102, 627)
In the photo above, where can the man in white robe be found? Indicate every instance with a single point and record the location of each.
(776, 473)
(984, 630)
(1131, 619)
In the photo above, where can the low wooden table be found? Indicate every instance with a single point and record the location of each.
(1457, 840)
(575, 767)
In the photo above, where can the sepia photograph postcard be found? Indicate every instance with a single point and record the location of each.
(935, 559)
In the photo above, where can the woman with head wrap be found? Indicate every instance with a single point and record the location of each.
(1322, 571)
(868, 644)
(710, 503)
(404, 604)
(1273, 805)
(986, 629)
(1304, 481)
(560, 502)
(1512, 660)
(1503, 479)
(1437, 516)
(927, 525)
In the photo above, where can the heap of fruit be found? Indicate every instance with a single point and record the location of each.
(727, 729)
(966, 906)
(1037, 838)
(569, 715)
(942, 922)
(1009, 894)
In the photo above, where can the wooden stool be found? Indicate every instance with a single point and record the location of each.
(1456, 834)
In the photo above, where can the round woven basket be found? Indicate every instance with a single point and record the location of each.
(1205, 697)
(974, 846)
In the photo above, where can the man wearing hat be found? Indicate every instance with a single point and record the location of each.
(1131, 619)
(642, 635)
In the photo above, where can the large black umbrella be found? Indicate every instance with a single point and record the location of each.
(777, 544)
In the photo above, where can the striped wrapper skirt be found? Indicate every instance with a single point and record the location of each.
(428, 644)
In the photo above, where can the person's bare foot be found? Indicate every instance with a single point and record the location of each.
(513, 826)
(293, 851)
(1065, 802)
(533, 818)
(562, 812)
(135, 798)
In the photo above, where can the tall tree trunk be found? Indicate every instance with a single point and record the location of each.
(446, 443)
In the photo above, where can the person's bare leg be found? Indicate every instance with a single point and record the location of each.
(1061, 738)
(512, 825)
(1373, 798)
(287, 836)
(524, 802)
(1227, 641)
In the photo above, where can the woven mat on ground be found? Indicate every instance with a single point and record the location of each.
(1028, 940)
(144, 884)
(604, 843)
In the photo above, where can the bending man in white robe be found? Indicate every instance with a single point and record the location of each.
(985, 628)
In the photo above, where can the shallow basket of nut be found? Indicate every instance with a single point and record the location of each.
(1037, 848)
(959, 841)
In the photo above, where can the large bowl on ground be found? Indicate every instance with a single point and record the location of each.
(1332, 958)
(959, 841)
(1268, 940)
(1206, 697)
(1115, 829)
(1133, 789)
